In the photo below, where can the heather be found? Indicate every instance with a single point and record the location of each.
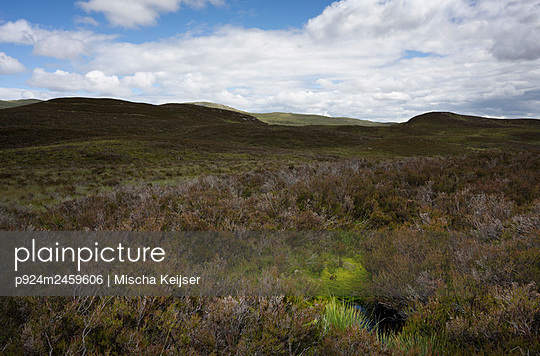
(435, 245)
(450, 246)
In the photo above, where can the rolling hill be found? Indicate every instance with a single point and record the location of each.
(79, 119)
(291, 119)
(475, 131)
(59, 120)
(442, 120)
(282, 118)
(4, 104)
(274, 118)
(75, 147)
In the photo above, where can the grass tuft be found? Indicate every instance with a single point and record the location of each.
(342, 316)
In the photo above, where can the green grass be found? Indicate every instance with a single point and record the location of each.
(5, 104)
(291, 119)
(41, 175)
(342, 276)
(413, 344)
(343, 316)
(69, 148)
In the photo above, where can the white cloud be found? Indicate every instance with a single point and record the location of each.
(385, 60)
(19, 32)
(143, 80)
(18, 93)
(10, 65)
(59, 80)
(94, 82)
(372, 18)
(56, 44)
(97, 81)
(85, 20)
(60, 45)
(134, 13)
(517, 42)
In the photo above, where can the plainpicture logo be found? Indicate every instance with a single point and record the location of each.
(81, 255)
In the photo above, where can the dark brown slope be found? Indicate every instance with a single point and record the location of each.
(477, 132)
(78, 118)
(448, 119)
(71, 120)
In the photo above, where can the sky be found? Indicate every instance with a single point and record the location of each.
(381, 60)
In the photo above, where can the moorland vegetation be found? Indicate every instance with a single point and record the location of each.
(442, 213)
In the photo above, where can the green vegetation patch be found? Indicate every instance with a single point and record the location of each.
(337, 276)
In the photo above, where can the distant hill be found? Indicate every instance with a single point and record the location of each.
(206, 128)
(474, 131)
(215, 105)
(274, 118)
(5, 104)
(66, 119)
(441, 120)
(73, 120)
(290, 119)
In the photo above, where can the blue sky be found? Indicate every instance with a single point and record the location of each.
(263, 14)
(380, 60)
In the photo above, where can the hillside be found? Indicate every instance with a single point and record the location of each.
(474, 131)
(216, 128)
(274, 118)
(436, 120)
(96, 143)
(4, 104)
(291, 119)
(281, 118)
(81, 118)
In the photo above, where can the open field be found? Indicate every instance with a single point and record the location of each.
(439, 216)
